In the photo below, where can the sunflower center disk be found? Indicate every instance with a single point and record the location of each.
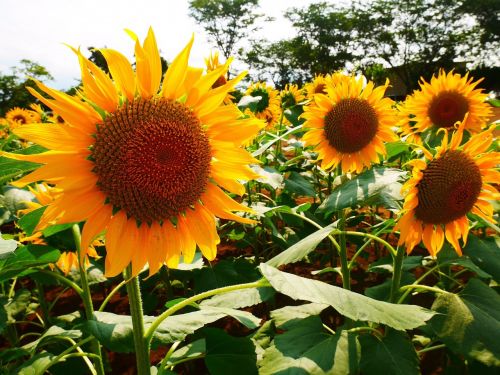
(351, 125)
(152, 159)
(449, 188)
(263, 103)
(447, 108)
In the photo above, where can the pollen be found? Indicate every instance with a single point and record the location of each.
(351, 125)
(447, 108)
(449, 188)
(152, 159)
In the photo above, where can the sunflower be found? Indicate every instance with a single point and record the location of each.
(316, 86)
(268, 107)
(291, 95)
(349, 124)
(18, 116)
(442, 102)
(45, 195)
(144, 159)
(445, 187)
(212, 63)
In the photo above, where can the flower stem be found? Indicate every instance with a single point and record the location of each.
(396, 274)
(344, 264)
(87, 298)
(148, 336)
(140, 344)
(424, 287)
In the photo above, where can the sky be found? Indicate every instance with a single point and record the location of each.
(37, 30)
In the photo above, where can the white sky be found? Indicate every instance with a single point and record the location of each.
(37, 29)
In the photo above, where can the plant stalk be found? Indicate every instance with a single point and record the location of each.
(87, 298)
(140, 344)
(396, 274)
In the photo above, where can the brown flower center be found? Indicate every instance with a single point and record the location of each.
(320, 88)
(20, 118)
(152, 159)
(449, 188)
(351, 125)
(447, 108)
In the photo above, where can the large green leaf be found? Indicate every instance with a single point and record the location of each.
(377, 186)
(394, 354)
(115, 331)
(352, 305)
(10, 168)
(469, 323)
(240, 298)
(7, 247)
(29, 221)
(289, 315)
(36, 364)
(229, 355)
(308, 349)
(298, 184)
(299, 250)
(193, 350)
(52, 334)
(485, 253)
(26, 257)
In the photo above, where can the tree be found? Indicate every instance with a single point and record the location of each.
(226, 21)
(13, 91)
(324, 43)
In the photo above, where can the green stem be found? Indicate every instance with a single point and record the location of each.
(163, 363)
(375, 331)
(362, 247)
(375, 238)
(396, 274)
(313, 223)
(43, 303)
(140, 344)
(424, 287)
(188, 301)
(110, 295)
(278, 144)
(431, 348)
(344, 265)
(56, 359)
(87, 298)
(63, 280)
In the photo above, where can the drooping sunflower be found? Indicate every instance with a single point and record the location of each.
(212, 63)
(268, 107)
(18, 116)
(349, 124)
(445, 187)
(144, 158)
(442, 102)
(291, 95)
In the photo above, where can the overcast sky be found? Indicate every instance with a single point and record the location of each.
(36, 30)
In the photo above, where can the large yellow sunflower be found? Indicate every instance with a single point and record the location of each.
(349, 124)
(442, 102)
(268, 107)
(143, 158)
(445, 187)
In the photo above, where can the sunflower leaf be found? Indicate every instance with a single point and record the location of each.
(26, 257)
(485, 253)
(469, 322)
(307, 349)
(392, 354)
(352, 305)
(377, 186)
(229, 355)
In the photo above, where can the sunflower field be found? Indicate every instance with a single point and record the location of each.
(193, 222)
